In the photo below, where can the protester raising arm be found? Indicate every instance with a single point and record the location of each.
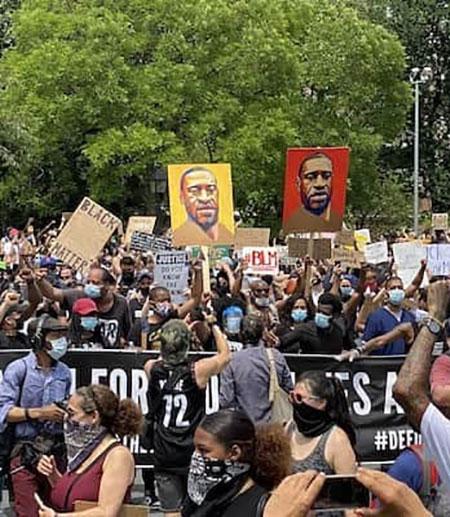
(46, 288)
(34, 294)
(206, 368)
(417, 280)
(412, 388)
(197, 289)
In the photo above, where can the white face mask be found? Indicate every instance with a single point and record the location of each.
(59, 348)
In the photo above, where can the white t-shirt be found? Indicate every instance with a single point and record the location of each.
(435, 429)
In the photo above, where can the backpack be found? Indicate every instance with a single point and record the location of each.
(7, 437)
(432, 493)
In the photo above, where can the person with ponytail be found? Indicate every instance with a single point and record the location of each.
(99, 468)
(321, 433)
(234, 466)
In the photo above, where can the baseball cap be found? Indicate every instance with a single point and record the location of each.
(47, 262)
(84, 306)
(48, 324)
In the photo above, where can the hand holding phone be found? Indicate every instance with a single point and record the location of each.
(341, 493)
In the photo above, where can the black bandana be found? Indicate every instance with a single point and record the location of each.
(310, 421)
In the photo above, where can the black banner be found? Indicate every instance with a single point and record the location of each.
(382, 431)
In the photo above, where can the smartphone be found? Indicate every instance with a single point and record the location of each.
(39, 501)
(341, 493)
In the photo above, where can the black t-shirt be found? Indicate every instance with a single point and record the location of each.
(307, 338)
(248, 503)
(112, 325)
(177, 405)
(18, 341)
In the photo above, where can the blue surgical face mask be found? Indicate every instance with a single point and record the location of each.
(396, 296)
(59, 348)
(262, 302)
(89, 322)
(232, 325)
(299, 315)
(92, 291)
(322, 320)
(346, 290)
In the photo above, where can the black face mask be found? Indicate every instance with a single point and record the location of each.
(145, 291)
(310, 421)
(128, 278)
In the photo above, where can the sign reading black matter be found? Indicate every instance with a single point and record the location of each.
(380, 423)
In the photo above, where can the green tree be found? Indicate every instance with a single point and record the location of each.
(108, 90)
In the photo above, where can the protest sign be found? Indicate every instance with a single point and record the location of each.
(285, 259)
(172, 272)
(201, 204)
(440, 222)
(84, 235)
(145, 242)
(321, 248)
(216, 254)
(253, 237)
(438, 259)
(407, 256)
(362, 238)
(379, 421)
(344, 238)
(348, 257)
(261, 261)
(139, 224)
(376, 253)
(315, 186)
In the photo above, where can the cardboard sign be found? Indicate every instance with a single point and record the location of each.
(216, 254)
(299, 248)
(85, 234)
(315, 187)
(145, 242)
(407, 256)
(201, 204)
(172, 272)
(344, 238)
(438, 259)
(261, 261)
(440, 222)
(253, 237)
(376, 253)
(362, 238)
(139, 224)
(348, 257)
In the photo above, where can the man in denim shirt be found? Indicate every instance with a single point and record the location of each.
(28, 392)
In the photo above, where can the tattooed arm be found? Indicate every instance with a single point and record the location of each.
(412, 387)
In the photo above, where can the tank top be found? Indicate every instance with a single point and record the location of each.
(178, 406)
(85, 486)
(316, 459)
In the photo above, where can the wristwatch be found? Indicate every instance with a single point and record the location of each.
(433, 326)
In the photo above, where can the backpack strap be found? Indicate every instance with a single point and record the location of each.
(262, 504)
(274, 386)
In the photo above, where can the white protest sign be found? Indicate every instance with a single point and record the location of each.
(376, 253)
(261, 261)
(438, 259)
(407, 256)
(440, 222)
(172, 272)
(84, 236)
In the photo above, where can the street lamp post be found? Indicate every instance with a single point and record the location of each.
(417, 77)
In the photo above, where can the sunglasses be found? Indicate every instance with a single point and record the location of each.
(296, 398)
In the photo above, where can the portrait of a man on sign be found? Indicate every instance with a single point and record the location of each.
(315, 189)
(201, 204)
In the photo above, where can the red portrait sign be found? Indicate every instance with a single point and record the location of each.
(315, 185)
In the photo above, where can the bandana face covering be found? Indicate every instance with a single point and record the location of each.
(206, 473)
(310, 421)
(81, 439)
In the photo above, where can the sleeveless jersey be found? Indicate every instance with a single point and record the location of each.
(178, 406)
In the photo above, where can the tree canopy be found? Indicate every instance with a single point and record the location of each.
(99, 93)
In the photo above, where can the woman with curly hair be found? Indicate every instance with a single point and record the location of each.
(234, 466)
(99, 468)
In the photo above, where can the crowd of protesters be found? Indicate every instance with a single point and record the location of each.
(238, 461)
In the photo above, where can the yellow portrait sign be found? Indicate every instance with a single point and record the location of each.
(201, 204)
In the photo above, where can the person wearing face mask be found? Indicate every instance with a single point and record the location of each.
(387, 318)
(261, 305)
(244, 382)
(321, 433)
(113, 312)
(84, 323)
(30, 389)
(127, 276)
(140, 294)
(234, 467)
(99, 468)
(325, 334)
(296, 310)
(230, 313)
(176, 395)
